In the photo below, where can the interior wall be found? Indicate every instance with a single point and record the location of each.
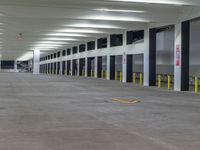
(165, 52)
(138, 63)
(104, 62)
(118, 63)
(195, 48)
(93, 64)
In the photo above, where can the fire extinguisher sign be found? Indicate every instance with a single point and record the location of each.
(178, 55)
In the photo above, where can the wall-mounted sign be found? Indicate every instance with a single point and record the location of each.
(178, 55)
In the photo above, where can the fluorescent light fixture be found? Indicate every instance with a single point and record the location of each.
(114, 18)
(169, 2)
(119, 10)
(61, 39)
(51, 42)
(44, 45)
(71, 30)
(85, 25)
(67, 34)
(39, 47)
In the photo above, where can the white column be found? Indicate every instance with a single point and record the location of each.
(78, 69)
(177, 58)
(124, 60)
(108, 67)
(108, 59)
(146, 57)
(86, 66)
(36, 62)
(71, 68)
(95, 66)
(124, 68)
(15, 66)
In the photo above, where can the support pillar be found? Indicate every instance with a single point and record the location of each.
(71, 67)
(15, 66)
(181, 53)
(78, 68)
(36, 62)
(146, 58)
(124, 68)
(95, 67)
(108, 67)
(86, 67)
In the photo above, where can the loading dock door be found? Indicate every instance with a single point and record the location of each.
(91, 66)
(74, 69)
(58, 68)
(49, 68)
(68, 67)
(194, 63)
(55, 68)
(82, 67)
(63, 67)
(112, 67)
(129, 68)
(99, 67)
(165, 55)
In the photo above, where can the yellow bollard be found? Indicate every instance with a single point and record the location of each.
(75, 72)
(159, 81)
(121, 76)
(91, 73)
(169, 82)
(134, 78)
(196, 85)
(141, 79)
(83, 72)
(116, 75)
(102, 74)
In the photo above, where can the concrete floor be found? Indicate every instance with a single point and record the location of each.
(69, 113)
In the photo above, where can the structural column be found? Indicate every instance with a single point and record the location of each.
(124, 67)
(108, 61)
(36, 62)
(15, 65)
(181, 53)
(146, 57)
(108, 67)
(95, 67)
(71, 68)
(124, 60)
(78, 69)
(86, 67)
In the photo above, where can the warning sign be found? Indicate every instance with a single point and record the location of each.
(178, 55)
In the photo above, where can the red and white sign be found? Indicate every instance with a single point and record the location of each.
(178, 55)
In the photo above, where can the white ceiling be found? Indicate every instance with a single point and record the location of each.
(65, 23)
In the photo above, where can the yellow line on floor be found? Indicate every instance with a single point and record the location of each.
(125, 101)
